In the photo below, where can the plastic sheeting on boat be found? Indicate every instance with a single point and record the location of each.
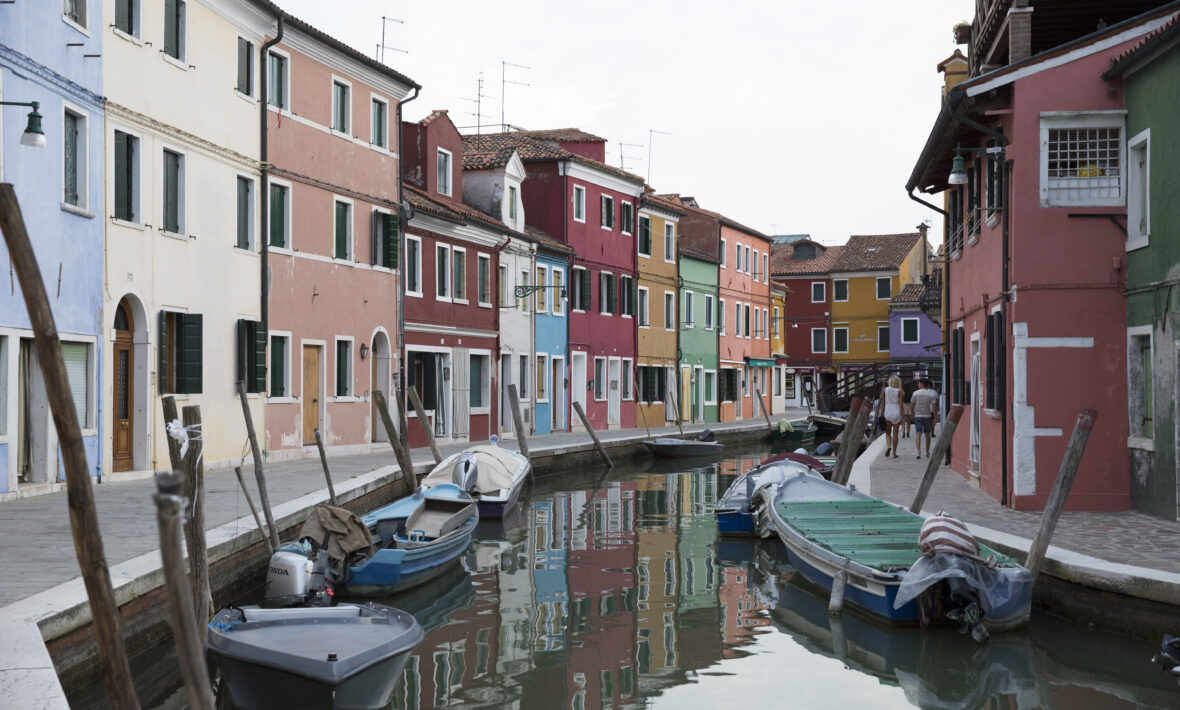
(1005, 593)
(498, 469)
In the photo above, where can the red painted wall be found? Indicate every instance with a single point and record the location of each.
(800, 310)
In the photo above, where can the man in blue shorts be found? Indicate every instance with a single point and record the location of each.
(925, 401)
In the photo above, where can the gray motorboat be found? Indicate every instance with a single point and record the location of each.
(671, 447)
(348, 656)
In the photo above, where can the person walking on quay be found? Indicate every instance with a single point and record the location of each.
(892, 414)
(907, 407)
(925, 402)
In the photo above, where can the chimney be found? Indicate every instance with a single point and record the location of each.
(954, 70)
(1019, 34)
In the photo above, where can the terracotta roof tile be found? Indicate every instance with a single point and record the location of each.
(908, 296)
(564, 135)
(547, 242)
(456, 212)
(783, 263)
(533, 149)
(658, 203)
(485, 160)
(875, 252)
(434, 115)
(1148, 42)
(688, 251)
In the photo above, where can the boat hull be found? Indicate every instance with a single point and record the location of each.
(497, 507)
(391, 570)
(734, 522)
(682, 448)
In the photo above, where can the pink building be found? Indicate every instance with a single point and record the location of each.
(1036, 244)
(330, 218)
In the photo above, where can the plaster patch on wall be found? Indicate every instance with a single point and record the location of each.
(1025, 430)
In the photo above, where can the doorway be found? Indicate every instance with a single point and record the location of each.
(557, 394)
(578, 379)
(311, 394)
(380, 372)
(122, 436)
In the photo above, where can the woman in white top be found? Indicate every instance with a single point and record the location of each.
(892, 398)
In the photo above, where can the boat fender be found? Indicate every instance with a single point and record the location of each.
(836, 602)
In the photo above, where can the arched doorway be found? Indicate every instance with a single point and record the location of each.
(123, 425)
(380, 372)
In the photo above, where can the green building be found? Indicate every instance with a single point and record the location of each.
(1152, 92)
(697, 393)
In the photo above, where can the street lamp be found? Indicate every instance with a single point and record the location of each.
(33, 136)
(958, 174)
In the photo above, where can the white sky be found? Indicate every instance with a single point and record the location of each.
(789, 116)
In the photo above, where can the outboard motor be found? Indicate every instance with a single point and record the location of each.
(288, 577)
(466, 472)
(707, 435)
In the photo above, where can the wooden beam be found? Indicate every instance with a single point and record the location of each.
(419, 410)
(400, 452)
(518, 421)
(1065, 477)
(934, 459)
(594, 436)
(259, 473)
(319, 444)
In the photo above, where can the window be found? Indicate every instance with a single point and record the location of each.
(721, 316)
(960, 394)
(503, 286)
(819, 340)
(608, 297)
(746, 264)
(540, 293)
(627, 295)
(173, 192)
(628, 393)
(746, 322)
(459, 274)
(710, 387)
(579, 203)
(909, 330)
(882, 338)
(756, 263)
(765, 268)
(884, 288)
(245, 67)
(483, 285)
(1139, 190)
(512, 202)
(524, 281)
(542, 373)
(765, 324)
(280, 226)
(174, 30)
(444, 172)
(669, 310)
(480, 381)
(839, 340)
(280, 383)
(343, 230)
(341, 106)
(276, 87)
(251, 355)
(644, 320)
(599, 379)
(652, 383)
(955, 219)
(74, 152)
(378, 123)
(973, 201)
(245, 213)
(729, 384)
(343, 368)
(179, 353)
(1082, 160)
(996, 358)
(524, 377)
(77, 362)
(737, 319)
(644, 236)
(840, 290)
(442, 272)
(607, 212)
(669, 242)
(689, 311)
(819, 291)
(580, 282)
(708, 311)
(737, 262)
(774, 323)
(723, 253)
(74, 11)
(127, 17)
(413, 265)
(385, 239)
(627, 217)
(995, 168)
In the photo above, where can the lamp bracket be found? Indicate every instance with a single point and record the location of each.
(526, 291)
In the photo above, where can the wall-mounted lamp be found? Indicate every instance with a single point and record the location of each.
(364, 350)
(590, 384)
(795, 323)
(958, 174)
(33, 136)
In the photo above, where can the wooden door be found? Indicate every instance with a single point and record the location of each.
(311, 393)
(122, 458)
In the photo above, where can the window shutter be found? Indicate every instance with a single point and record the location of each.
(278, 216)
(259, 358)
(78, 375)
(243, 213)
(162, 354)
(990, 333)
(242, 349)
(190, 338)
(375, 231)
(341, 230)
(171, 37)
(122, 177)
(171, 192)
(243, 66)
(391, 239)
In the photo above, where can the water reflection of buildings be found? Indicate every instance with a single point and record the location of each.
(743, 609)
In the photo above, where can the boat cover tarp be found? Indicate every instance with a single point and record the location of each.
(1005, 593)
(349, 534)
(498, 469)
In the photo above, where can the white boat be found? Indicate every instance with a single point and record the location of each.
(499, 475)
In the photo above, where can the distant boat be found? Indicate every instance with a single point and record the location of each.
(798, 433)
(346, 656)
(671, 447)
(827, 424)
(499, 476)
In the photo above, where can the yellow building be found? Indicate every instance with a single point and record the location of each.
(778, 345)
(869, 272)
(656, 309)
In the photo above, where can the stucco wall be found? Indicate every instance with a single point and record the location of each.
(929, 336)
(698, 347)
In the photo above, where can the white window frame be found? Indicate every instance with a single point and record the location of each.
(823, 351)
(482, 258)
(643, 307)
(416, 266)
(603, 299)
(710, 377)
(442, 248)
(823, 291)
(917, 331)
(287, 212)
(1136, 436)
(450, 172)
(89, 424)
(669, 242)
(600, 383)
(627, 379)
(351, 396)
(579, 199)
(181, 187)
(847, 291)
(252, 213)
(757, 263)
(846, 343)
(485, 380)
(375, 99)
(737, 319)
(1051, 120)
(877, 286)
(286, 396)
(350, 257)
(1139, 191)
(765, 268)
(523, 303)
(251, 69)
(455, 297)
(669, 310)
(136, 34)
(603, 200)
(347, 129)
(723, 253)
(638, 235)
(708, 311)
(886, 349)
(576, 275)
(541, 369)
(286, 80)
(746, 265)
(624, 208)
(721, 316)
(766, 324)
(541, 278)
(689, 305)
(83, 21)
(181, 40)
(774, 323)
(503, 287)
(82, 160)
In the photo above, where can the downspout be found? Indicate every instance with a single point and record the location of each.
(263, 155)
(399, 282)
(946, 286)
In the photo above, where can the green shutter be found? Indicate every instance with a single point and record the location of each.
(241, 341)
(162, 354)
(124, 17)
(243, 241)
(259, 373)
(278, 216)
(244, 66)
(171, 30)
(278, 364)
(189, 379)
(341, 230)
(122, 177)
(392, 236)
(171, 192)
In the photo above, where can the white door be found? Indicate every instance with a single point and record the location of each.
(700, 392)
(505, 401)
(557, 390)
(976, 407)
(614, 391)
(578, 381)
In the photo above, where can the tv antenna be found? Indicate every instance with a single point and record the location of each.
(504, 88)
(650, 139)
(479, 97)
(622, 156)
(382, 47)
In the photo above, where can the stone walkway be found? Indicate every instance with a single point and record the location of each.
(1127, 538)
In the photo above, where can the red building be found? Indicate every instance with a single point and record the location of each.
(804, 267)
(572, 195)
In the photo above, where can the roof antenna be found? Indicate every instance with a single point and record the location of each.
(382, 47)
(503, 89)
(650, 134)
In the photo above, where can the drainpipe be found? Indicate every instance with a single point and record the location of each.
(263, 155)
(946, 320)
(399, 282)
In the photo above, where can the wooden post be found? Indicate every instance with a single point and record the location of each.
(171, 415)
(1061, 486)
(854, 430)
(854, 408)
(518, 420)
(639, 406)
(259, 474)
(254, 511)
(319, 444)
(416, 402)
(112, 657)
(399, 450)
(194, 531)
(187, 626)
(934, 458)
(597, 443)
(764, 414)
(675, 405)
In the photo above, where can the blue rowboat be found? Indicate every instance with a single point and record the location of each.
(733, 512)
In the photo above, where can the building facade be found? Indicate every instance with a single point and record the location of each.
(914, 337)
(698, 388)
(659, 284)
(804, 267)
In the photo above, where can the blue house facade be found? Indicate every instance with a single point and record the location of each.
(51, 53)
(552, 328)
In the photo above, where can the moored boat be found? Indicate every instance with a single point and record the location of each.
(827, 424)
(495, 483)
(733, 509)
(797, 433)
(671, 447)
(347, 656)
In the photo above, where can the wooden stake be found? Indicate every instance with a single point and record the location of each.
(518, 420)
(934, 459)
(112, 657)
(171, 415)
(845, 434)
(1061, 486)
(259, 474)
(254, 511)
(762, 405)
(416, 403)
(597, 443)
(194, 531)
(319, 443)
(676, 407)
(639, 406)
(400, 452)
(186, 629)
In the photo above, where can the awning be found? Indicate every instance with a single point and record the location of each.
(759, 362)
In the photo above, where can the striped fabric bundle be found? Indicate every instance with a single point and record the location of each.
(942, 533)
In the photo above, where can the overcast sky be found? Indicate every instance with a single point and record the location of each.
(787, 116)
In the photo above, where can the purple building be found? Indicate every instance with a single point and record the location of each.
(913, 336)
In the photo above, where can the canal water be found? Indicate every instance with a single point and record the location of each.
(612, 589)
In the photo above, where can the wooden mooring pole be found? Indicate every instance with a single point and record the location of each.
(518, 420)
(416, 402)
(597, 444)
(847, 448)
(270, 550)
(319, 444)
(400, 452)
(675, 409)
(1065, 477)
(112, 656)
(934, 459)
(259, 474)
(194, 531)
(762, 405)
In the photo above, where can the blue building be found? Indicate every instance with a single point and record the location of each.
(552, 333)
(51, 53)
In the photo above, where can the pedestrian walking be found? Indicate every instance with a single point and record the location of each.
(891, 395)
(925, 402)
(907, 407)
